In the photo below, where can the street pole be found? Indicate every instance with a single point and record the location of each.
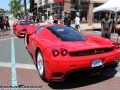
(79, 7)
(47, 3)
(25, 9)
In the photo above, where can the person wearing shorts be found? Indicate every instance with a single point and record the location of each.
(106, 26)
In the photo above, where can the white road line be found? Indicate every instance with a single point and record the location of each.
(7, 38)
(18, 65)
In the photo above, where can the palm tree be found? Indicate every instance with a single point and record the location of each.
(1, 10)
(15, 6)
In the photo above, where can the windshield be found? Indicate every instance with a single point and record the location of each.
(66, 33)
(26, 23)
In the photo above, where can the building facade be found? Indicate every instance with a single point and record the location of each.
(45, 7)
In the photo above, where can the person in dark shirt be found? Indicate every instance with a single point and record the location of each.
(65, 19)
(69, 19)
(106, 26)
(1, 24)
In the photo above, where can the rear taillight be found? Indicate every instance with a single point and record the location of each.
(55, 52)
(63, 51)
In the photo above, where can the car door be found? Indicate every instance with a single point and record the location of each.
(33, 39)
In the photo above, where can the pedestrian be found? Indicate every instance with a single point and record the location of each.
(1, 24)
(27, 17)
(43, 18)
(69, 20)
(51, 18)
(66, 19)
(33, 18)
(106, 26)
(55, 19)
(118, 29)
(118, 20)
(7, 25)
(77, 22)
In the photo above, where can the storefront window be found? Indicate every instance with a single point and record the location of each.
(98, 16)
(84, 9)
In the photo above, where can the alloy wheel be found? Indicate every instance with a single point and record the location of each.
(40, 63)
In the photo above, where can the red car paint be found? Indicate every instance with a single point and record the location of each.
(48, 42)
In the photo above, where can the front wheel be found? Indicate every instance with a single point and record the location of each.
(40, 65)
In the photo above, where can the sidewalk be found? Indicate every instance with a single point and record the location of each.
(85, 26)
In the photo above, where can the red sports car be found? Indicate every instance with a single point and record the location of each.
(20, 26)
(59, 50)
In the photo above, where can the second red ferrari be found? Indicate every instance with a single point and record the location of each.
(20, 27)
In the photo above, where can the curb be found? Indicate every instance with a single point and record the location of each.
(93, 29)
(89, 29)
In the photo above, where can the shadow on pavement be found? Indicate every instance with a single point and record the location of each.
(75, 81)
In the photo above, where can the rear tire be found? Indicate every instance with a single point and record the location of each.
(40, 65)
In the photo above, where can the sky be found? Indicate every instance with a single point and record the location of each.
(4, 4)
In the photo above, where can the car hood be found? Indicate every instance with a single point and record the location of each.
(84, 45)
(90, 43)
(78, 45)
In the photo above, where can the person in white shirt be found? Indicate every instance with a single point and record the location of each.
(51, 19)
(77, 22)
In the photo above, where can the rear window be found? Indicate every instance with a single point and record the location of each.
(25, 23)
(66, 33)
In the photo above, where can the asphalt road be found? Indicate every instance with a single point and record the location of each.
(23, 60)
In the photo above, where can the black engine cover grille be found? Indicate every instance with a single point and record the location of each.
(91, 52)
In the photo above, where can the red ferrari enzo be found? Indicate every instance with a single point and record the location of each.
(19, 27)
(59, 50)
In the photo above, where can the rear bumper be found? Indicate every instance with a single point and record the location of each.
(58, 68)
(92, 71)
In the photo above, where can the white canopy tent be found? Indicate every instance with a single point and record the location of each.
(111, 5)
